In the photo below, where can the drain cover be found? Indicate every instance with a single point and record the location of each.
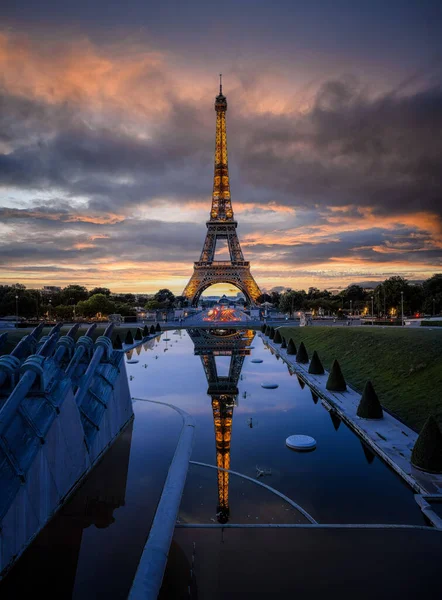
(301, 442)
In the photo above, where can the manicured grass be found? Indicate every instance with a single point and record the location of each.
(405, 366)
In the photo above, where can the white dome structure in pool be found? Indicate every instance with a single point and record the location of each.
(301, 442)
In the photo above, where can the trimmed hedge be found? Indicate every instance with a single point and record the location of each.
(291, 347)
(129, 339)
(272, 333)
(336, 381)
(138, 334)
(263, 328)
(158, 327)
(145, 331)
(152, 329)
(118, 345)
(302, 355)
(268, 329)
(283, 343)
(277, 337)
(369, 406)
(431, 323)
(427, 451)
(315, 367)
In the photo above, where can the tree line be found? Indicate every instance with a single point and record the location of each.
(385, 300)
(76, 301)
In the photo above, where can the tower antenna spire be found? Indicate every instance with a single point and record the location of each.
(220, 83)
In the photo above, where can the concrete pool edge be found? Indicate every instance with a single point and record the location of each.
(391, 449)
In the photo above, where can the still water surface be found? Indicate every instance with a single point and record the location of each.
(92, 547)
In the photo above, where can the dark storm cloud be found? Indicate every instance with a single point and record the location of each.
(375, 245)
(42, 240)
(383, 153)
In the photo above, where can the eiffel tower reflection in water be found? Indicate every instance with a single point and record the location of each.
(209, 344)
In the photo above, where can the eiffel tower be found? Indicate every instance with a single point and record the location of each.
(224, 391)
(221, 226)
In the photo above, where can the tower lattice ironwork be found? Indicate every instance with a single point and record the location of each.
(224, 392)
(221, 226)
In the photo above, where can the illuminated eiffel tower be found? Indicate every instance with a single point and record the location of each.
(224, 391)
(221, 226)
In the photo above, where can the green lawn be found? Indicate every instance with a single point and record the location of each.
(405, 366)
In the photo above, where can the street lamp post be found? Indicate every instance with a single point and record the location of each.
(50, 306)
(351, 312)
(372, 310)
(402, 309)
(16, 307)
(433, 306)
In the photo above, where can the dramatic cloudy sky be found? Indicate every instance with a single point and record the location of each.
(107, 137)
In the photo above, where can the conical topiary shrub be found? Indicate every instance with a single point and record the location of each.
(138, 334)
(315, 397)
(301, 355)
(118, 345)
(336, 381)
(277, 337)
(283, 343)
(427, 451)
(291, 348)
(369, 406)
(129, 339)
(145, 331)
(152, 329)
(263, 328)
(315, 367)
(272, 333)
(158, 328)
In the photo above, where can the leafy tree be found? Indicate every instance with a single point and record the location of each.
(71, 295)
(291, 301)
(124, 309)
(264, 298)
(99, 290)
(63, 312)
(275, 297)
(181, 302)
(165, 297)
(99, 303)
(153, 305)
(432, 293)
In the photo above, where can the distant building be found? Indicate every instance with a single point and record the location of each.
(141, 313)
(50, 289)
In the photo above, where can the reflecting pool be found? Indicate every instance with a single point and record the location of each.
(92, 547)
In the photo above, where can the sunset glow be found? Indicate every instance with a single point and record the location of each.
(107, 141)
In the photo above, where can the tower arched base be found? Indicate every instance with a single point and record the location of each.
(205, 275)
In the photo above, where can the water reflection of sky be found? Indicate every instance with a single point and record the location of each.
(336, 482)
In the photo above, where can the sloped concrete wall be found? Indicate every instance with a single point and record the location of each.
(60, 464)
